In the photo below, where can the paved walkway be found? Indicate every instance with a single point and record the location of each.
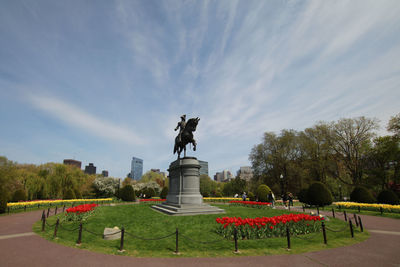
(19, 247)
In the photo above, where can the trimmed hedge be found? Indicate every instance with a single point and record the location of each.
(19, 195)
(251, 196)
(388, 197)
(302, 195)
(262, 193)
(318, 194)
(127, 193)
(361, 194)
(164, 193)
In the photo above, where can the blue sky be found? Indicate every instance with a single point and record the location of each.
(102, 81)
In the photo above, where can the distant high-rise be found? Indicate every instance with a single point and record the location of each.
(245, 173)
(136, 168)
(104, 173)
(224, 176)
(73, 162)
(203, 167)
(90, 169)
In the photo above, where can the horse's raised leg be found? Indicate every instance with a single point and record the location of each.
(194, 145)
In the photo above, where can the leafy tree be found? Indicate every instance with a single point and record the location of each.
(155, 177)
(105, 186)
(69, 194)
(19, 195)
(394, 125)
(164, 193)
(207, 185)
(350, 140)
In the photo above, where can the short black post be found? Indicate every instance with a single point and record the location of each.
(121, 247)
(355, 218)
(289, 206)
(318, 210)
(38, 205)
(288, 237)
(339, 207)
(8, 210)
(333, 212)
(80, 235)
(351, 228)
(359, 210)
(235, 238)
(324, 232)
(25, 208)
(360, 223)
(176, 241)
(56, 228)
(43, 223)
(48, 211)
(55, 211)
(345, 215)
(63, 208)
(381, 210)
(304, 210)
(43, 215)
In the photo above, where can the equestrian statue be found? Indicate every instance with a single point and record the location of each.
(185, 135)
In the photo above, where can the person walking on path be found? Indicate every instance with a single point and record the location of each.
(290, 197)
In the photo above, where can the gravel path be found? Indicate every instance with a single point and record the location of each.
(20, 247)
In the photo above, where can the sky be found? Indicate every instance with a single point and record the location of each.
(103, 81)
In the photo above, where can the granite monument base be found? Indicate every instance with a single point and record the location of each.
(184, 196)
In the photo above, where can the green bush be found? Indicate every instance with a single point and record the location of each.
(19, 195)
(262, 193)
(164, 193)
(127, 193)
(302, 195)
(3, 201)
(149, 192)
(218, 193)
(388, 197)
(69, 194)
(251, 196)
(319, 195)
(361, 194)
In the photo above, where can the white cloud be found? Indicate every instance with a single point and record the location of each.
(77, 117)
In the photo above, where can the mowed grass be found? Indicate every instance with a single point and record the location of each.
(142, 221)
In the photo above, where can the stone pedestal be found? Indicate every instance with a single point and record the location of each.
(184, 196)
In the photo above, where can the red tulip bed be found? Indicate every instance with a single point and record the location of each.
(79, 213)
(253, 204)
(257, 228)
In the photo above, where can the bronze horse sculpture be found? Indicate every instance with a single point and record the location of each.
(186, 137)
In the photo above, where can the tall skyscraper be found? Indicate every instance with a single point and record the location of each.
(90, 169)
(203, 167)
(136, 168)
(245, 173)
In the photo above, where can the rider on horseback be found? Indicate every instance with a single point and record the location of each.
(181, 126)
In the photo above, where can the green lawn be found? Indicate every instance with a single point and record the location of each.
(142, 221)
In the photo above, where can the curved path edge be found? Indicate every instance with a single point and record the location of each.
(381, 249)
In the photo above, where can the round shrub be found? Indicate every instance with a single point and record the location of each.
(3, 202)
(319, 195)
(251, 196)
(164, 193)
(361, 194)
(149, 192)
(69, 194)
(218, 193)
(19, 195)
(388, 197)
(302, 195)
(127, 193)
(262, 193)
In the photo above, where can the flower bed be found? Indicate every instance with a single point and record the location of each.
(79, 213)
(369, 207)
(256, 228)
(53, 202)
(253, 204)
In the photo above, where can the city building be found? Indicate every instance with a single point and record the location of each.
(104, 173)
(73, 162)
(224, 176)
(136, 168)
(90, 169)
(245, 173)
(203, 167)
